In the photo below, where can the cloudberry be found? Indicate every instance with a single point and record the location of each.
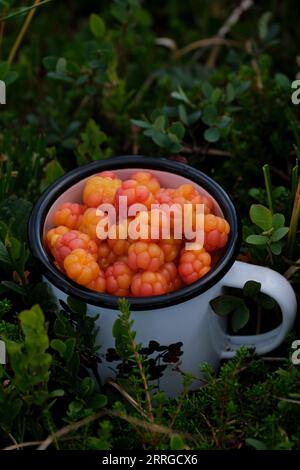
(148, 283)
(54, 234)
(70, 241)
(146, 256)
(81, 267)
(100, 189)
(69, 214)
(193, 265)
(99, 283)
(147, 179)
(118, 279)
(216, 232)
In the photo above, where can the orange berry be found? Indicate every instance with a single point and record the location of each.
(135, 193)
(118, 279)
(148, 283)
(146, 256)
(81, 267)
(100, 189)
(54, 234)
(216, 232)
(106, 256)
(171, 248)
(169, 271)
(193, 264)
(69, 242)
(99, 283)
(147, 179)
(69, 214)
(89, 223)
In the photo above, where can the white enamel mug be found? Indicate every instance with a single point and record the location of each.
(178, 331)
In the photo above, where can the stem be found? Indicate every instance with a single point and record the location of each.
(295, 173)
(293, 224)
(268, 184)
(22, 33)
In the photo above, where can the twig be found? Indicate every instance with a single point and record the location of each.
(22, 11)
(22, 444)
(226, 27)
(208, 42)
(129, 398)
(142, 90)
(22, 32)
(291, 241)
(289, 400)
(129, 419)
(292, 269)
(259, 82)
(206, 151)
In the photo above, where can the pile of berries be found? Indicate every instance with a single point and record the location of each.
(146, 263)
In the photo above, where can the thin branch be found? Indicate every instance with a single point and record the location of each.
(129, 398)
(22, 11)
(206, 151)
(289, 400)
(209, 42)
(226, 27)
(156, 428)
(22, 32)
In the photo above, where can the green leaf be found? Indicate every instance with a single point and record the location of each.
(142, 124)
(177, 443)
(183, 114)
(225, 304)
(4, 256)
(230, 94)
(70, 349)
(240, 317)
(207, 89)
(282, 81)
(251, 288)
(177, 129)
(50, 62)
(160, 123)
(77, 306)
(53, 171)
(263, 25)
(265, 301)
(97, 26)
(257, 239)
(276, 248)
(194, 117)
(223, 122)
(279, 234)
(87, 387)
(181, 96)
(261, 216)
(61, 65)
(210, 115)
(14, 287)
(98, 401)
(216, 95)
(58, 346)
(162, 140)
(212, 134)
(278, 221)
(258, 445)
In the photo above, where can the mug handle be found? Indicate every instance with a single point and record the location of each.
(273, 284)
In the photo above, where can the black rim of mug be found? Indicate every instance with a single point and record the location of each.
(58, 279)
